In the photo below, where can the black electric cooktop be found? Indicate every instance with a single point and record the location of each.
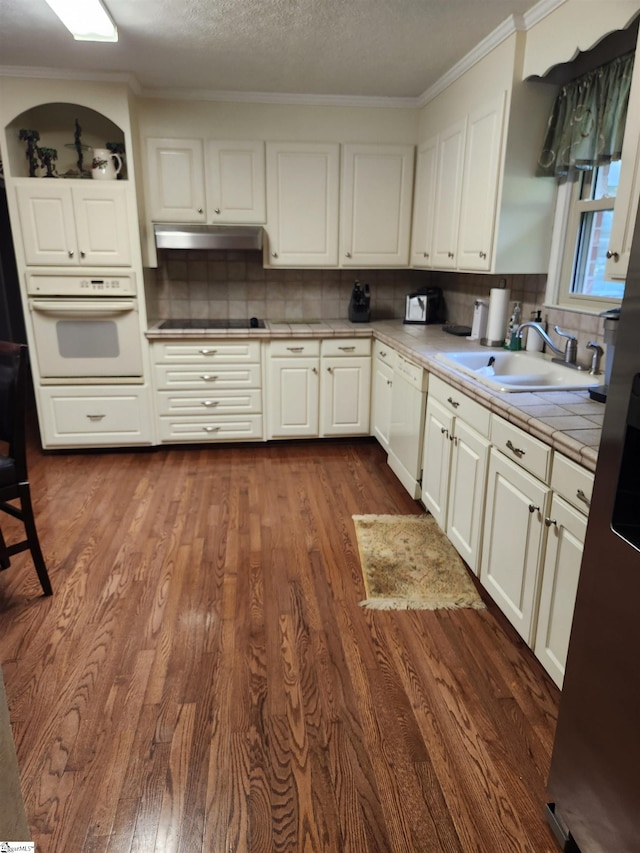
(252, 323)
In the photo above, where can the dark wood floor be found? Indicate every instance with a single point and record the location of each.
(204, 680)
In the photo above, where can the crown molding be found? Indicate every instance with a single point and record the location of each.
(72, 74)
(540, 11)
(282, 98)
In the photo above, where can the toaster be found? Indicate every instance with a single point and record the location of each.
(425, 306)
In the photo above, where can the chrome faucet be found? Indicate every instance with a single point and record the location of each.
(566, 356)
(596, 358)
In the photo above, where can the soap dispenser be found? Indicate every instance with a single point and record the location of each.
(534, 341)
(512, 342)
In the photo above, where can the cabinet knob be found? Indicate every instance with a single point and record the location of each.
(534, 508)
(444, 431)
(389, 382)
(582, 497)
(613, 256)
(347, 254)
(483, 255)
(217, 210)
(200, 210)
(82, 254)
(550, 521)
(453, 402)
(274, 254)
(450, 255)
(314, 370)
(329, 369)
(70, 253)
(426, 254)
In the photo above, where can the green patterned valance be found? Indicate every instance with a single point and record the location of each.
(586, 125)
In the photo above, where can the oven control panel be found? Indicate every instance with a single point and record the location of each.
(39, 284)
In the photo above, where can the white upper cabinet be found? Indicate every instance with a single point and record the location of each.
(423, 204)
(176, 180)
(480, 185)
(70, 223)
(235, 182)
(448, 195)
(375, 206)
(302, 203)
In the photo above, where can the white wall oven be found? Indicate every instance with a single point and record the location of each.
(85, 328)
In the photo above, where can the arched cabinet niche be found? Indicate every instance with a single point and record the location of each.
(56, 125)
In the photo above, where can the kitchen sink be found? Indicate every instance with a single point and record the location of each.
(518, 371)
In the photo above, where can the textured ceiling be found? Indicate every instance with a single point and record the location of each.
(394, 48)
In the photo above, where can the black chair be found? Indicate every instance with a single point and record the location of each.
(14, 480)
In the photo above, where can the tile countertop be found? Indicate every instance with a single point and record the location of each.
(568, 421)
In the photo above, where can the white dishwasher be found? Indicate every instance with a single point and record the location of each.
(408, 404)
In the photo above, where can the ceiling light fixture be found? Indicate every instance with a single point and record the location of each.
(87, 20)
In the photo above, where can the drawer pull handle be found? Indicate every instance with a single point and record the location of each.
(210, 403)
(295, 349)
(550, 521)
(211, 428)
(444, 431)
(206, 351)
(383, 353)
(95, 417)
(208, 377)
(517, 450)
(346, 349)
(582, 497)
(534, 508)
(453, 402)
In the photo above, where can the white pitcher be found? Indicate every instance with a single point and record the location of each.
(103, 167)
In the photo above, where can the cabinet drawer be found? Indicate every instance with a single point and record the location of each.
(346, 346)
(460, 405)
(215, 403)
(523, 448)
(206, 352)
(215, 428)
(294, 348)
(572, 482)
(75, 416)
(384, 353)
(190, 376)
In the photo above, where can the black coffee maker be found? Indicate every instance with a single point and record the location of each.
(360, 303)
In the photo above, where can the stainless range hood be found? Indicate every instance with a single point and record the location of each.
(186, 236)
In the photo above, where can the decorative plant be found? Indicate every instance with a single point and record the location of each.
(48, 157)
(31, 137)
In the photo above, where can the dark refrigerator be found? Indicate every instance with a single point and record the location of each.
(594, 780)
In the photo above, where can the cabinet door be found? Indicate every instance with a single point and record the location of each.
(513, 533)
(424, 204)
(626, 205)
(381, 401)
(436, 460)
(465, 509)
(375, 206)
(344, 395)
(175, 180)
(448, 196)
(102, 224)
(235, 182)
(292, 397)
(47, 223)
(561, 571)
(483, 149)
(302, 204)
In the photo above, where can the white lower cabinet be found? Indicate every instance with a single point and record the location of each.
(293, 382)
(381, 390)
(567, 527)
(318, 388)
(406, 431)
(455, 465)
(208, 390)
(516, 506)
(100, 416)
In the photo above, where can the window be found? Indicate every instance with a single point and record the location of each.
(591, 203)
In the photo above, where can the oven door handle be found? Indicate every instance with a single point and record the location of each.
(92, 307)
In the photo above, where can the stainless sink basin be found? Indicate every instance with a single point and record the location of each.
(518, 371)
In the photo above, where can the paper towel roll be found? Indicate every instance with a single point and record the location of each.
(497, 319)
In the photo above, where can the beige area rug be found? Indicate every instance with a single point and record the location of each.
(409, 564)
